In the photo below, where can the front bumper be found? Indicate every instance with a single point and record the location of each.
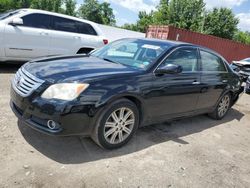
(35, 113)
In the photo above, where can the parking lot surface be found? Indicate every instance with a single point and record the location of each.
(192, 152)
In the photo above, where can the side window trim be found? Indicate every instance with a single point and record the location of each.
(220, 58)
(179, 48)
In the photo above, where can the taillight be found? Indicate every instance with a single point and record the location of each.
(105, 41)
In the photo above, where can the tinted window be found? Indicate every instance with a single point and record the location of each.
(62, 24)
(211, 62)
(187, 58)
(68, 25)
(85, 28)
(37, 21)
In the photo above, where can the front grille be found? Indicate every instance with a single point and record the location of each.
(25, 83)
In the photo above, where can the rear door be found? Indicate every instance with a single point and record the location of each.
(68, 36)
(30, 40)
(176, 94)
(214, 79)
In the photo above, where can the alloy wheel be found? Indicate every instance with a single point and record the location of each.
(119, 125)
(224, 106)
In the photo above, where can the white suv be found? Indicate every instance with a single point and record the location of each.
(27, 33)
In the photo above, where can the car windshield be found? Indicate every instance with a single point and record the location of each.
(137, 53)
(8, 14)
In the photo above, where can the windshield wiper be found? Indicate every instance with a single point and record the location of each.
(109, 60)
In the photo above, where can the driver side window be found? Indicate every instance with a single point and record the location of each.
(185, 57)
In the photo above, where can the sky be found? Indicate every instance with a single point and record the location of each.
(126, 11)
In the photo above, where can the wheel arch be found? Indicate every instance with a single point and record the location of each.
(85, 50)
(137, 100)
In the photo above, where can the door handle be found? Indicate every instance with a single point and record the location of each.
(75, 37)
(196, 83)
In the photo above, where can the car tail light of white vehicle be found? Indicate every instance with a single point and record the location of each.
(105, 41)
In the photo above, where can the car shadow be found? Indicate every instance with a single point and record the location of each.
(75, 150)
(9, 67)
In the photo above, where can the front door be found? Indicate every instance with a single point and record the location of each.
(30, 40)
(176, 94)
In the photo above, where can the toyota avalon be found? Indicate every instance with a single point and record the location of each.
(108, 94)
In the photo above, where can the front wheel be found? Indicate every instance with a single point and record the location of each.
(117, 124)
(222, 107)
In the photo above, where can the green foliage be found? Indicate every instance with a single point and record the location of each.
(144, 21)
(187, 14)
(6, 5)
(191, 15)
(161, 16)
(49, 5)
(96, 12)
(70, 7)
(221, 22)
(243, 37)
(108, 17)
(132, 27)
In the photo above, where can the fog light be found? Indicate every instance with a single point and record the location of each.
(52, 125)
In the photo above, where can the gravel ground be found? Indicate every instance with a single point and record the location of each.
(193, 152)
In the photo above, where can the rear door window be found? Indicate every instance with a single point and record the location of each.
(73, 26)
(36, 20)
(85, 28)
(63, 24)
(211, 62)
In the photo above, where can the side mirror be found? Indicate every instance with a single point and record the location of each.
(16, 21)
(169, 69)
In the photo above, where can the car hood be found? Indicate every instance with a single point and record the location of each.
(243, 63)
(77, 68)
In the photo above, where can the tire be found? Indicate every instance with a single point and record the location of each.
(222, 107)
(117, 124)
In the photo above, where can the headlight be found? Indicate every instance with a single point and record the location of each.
(65, 91)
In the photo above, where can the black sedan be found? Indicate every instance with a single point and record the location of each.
(129, 83)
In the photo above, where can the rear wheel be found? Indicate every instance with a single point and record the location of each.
(222, 107)
(117, 124)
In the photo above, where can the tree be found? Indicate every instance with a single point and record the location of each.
(161, 16)
(186, 14)
(132, 27)
(144, 21)
(221, 23)
(49, 5)
(108, 17)
(6, 5)
(243, 37)
(70, 7)
(99, 13)
(24, 3)
(90, 10)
